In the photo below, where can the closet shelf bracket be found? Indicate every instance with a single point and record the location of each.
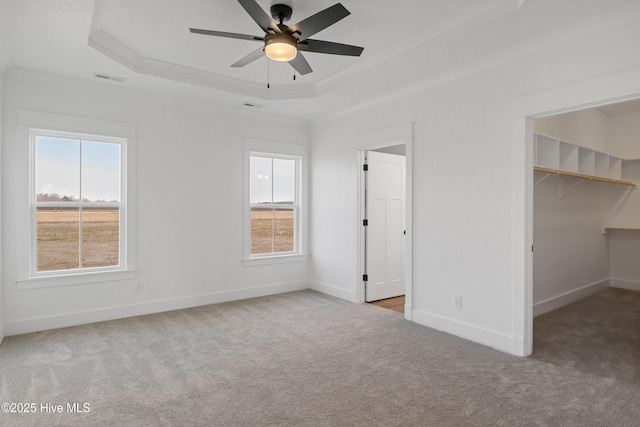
(542, 179)
(567, 189)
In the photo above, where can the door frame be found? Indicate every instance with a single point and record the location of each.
(401, 134)
(609, 89)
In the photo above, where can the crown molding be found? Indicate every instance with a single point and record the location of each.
(464, 21)
(479, 13)
(580, 30)
(147, 96)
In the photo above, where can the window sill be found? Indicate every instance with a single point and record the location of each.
(74, 279)
(275, 259)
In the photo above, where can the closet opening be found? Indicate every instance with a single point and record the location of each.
(586, 235)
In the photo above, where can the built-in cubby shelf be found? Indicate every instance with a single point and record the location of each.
(562, 158)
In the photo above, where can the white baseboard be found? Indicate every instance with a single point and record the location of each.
(487, 337)
(633, 285)
(519, 348)
(569, 297)
(24, 326)
(408, 313)
(1, 333)
(333, 291)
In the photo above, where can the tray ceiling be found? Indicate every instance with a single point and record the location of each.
(148, 44)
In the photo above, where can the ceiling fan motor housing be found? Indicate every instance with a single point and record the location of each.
(281, 12)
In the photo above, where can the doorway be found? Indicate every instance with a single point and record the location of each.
(583, 216)
(397, 140)
(384, 222)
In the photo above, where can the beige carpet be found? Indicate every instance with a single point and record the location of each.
(305, 359)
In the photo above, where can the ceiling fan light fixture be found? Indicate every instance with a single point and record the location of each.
(280, 47)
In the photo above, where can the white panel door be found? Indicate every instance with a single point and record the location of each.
(385, 204)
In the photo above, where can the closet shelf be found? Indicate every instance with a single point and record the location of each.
(579, 175)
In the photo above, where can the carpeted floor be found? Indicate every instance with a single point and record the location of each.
(305, 359)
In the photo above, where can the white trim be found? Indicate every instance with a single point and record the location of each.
(73, 279)
(123, 249)
(297, 152)
(396, 135)
(569, 297)
(83, 127)
(601, 90)
(522, 296)
(76, 125)
(211, 105)
(2, 334)
(334, 291)
(470, 332)
(266, 146)
(275, 259)
(633, 285)
(24, 326)
(505, 56)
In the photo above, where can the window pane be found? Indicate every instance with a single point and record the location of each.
(58, 238)
(100, 237)
(261, 179)
(284, 181)
(261, 230)
(57, 169)
(283, 220)
(100, 171)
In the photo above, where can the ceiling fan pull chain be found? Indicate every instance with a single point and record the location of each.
(268, 75)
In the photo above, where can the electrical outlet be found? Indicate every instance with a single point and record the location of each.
(457, 301)
(139, 288)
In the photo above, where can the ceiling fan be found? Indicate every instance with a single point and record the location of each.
(284, 43)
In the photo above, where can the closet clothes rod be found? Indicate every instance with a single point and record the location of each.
(579, 175)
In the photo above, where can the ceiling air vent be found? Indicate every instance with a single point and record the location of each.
(109, 77)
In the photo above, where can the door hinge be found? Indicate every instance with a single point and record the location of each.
(365, 277)
(365, 222)
(365, 167)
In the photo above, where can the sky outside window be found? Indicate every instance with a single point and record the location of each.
(272, 180)
(58, 169)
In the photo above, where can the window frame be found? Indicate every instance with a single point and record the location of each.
(278, 150)
(293, 206)
(85, 272)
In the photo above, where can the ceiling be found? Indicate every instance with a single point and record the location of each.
(147, 43)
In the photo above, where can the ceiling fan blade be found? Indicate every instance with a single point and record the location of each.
(321, 46)
(300, 64)
(319, 21)
(260, 16)
(256, 54)
(224, 34)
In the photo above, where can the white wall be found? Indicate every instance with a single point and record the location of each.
(1, 239)
(587, 128)
(571, 258)
(624, 237)
(189, 204)
(465, 197)
(624, 250)
(624, 132)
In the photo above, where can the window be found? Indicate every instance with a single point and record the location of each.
(274, 204)
(78, 203)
